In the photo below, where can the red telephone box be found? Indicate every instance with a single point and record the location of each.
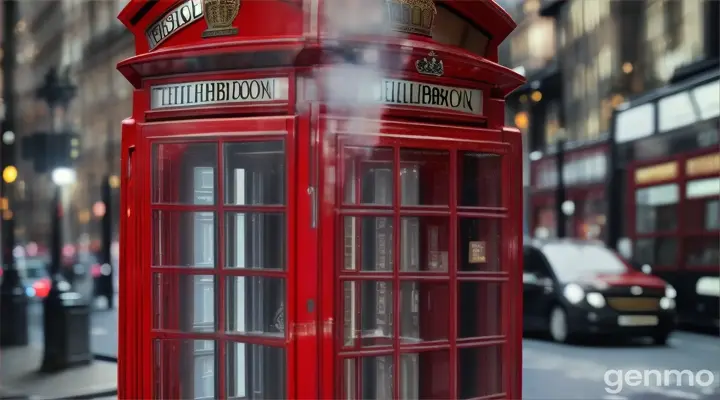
(320, 200)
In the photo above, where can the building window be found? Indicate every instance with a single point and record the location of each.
(656, 208)
(656, 251)
(703, 206)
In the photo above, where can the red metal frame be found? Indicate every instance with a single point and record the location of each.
(295, 45)
(682, 232)
(224, 131)
(396, 137)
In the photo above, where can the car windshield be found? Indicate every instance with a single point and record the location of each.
(572, 261)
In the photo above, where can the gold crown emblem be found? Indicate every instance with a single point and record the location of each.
(219, 15)
(412, 16)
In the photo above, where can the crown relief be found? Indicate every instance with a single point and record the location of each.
(412, 16)
(430, 65)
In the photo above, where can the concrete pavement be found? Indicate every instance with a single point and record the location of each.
(20, 376)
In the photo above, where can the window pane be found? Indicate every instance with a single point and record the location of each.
(480, 372)
(255, 240)
(184, 302)
(256, 372)
(187, 368)
(183, 239)
(656, 208)
(702, 214)
(424, 177)
(425, 375)
(368, 313)
(184, 173)
(656, 251)
(368, 176)
(424, 311)
(373, 237)
(424, 244)
(479, 244)
(479, 180)
(376, 378)
(256, 305)
(255, 173)
(479, 309)
(702, 251)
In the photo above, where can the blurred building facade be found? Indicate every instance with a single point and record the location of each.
(583, 59)
(84, 38)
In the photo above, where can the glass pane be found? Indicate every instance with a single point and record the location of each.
(479, 244)
(424, 177)
(187, 368)
(424, 243)
(368, 313)
(184, 173)
(256, 372)
(373, 238)
(184, 302)
(480, 372)
(479, 309)
(375, 378)
(656, 208)
(255, 173)
(425, 375)
(702, 251)
(424, 311)
(256, 305)
(656, 251)
(255, 240)
(368, 176)
(183, 239)
(479, 180)
(702, 214)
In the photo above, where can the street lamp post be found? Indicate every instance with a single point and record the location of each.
(66, 313)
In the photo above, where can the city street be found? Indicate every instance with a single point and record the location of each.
(550, 371)
(103, 331)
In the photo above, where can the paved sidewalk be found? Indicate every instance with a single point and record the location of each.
(20, 377)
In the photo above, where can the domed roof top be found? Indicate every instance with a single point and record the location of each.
(425, 5)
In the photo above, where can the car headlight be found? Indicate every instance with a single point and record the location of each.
(670, 292)
(574, 293)
(667, 303)
(596, 300)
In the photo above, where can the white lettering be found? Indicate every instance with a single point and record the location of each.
(204, 93)
(181, 16)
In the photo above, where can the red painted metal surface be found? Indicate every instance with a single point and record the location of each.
(469, 333)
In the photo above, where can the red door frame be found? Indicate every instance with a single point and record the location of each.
(422, 136)
(218, 131)
(309, 316)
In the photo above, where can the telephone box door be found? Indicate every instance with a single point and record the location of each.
(420, 272)
(219, 258)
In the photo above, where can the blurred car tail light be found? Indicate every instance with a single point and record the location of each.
(96, 270)
(42, 287)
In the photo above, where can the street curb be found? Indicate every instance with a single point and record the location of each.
(88, 396)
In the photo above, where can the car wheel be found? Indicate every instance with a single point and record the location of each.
(558, 325)
(660, 339)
